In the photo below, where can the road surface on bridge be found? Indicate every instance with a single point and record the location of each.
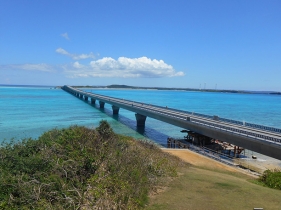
(255, 139)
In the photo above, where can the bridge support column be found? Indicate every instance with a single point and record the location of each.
(140, 120)
(81, 96)
(115, 109)
(101, 104)
(86, 98)
(93, 101)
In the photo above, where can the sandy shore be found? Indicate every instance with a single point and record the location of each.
(203, 161)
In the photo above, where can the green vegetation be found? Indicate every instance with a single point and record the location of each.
(80, 168)
(200, 189)
(271, 178)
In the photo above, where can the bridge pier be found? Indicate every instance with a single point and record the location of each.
(115, 109)
(93, 101)
(81, 96)
(86, 98)
(101, 104)
(140, 120)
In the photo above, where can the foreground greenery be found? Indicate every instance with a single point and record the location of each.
(80, 168)
(271, 178)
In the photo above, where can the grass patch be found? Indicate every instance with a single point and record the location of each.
(202, 189)
(225, 185)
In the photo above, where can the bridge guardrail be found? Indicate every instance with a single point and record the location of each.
(263, 127)
(237, 130)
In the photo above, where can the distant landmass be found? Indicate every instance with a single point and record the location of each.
(115, 86)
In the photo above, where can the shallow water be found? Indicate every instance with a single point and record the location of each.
(30, 111)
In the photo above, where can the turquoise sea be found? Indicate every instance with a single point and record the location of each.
(30, 111)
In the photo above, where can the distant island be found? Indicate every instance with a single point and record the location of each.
(276, 93)
(115, 86)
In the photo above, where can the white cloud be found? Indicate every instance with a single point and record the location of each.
(84, 56)
(74, 56)
(65, 35)
(123, 67)
(77, 65)
(62, 51)
(29, 67)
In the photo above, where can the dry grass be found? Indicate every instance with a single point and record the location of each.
(207, 187)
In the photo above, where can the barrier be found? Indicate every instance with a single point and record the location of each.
(230, 129)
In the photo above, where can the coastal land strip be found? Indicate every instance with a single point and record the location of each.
(176, 89)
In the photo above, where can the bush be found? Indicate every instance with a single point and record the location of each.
(272, 178)
(80, 168)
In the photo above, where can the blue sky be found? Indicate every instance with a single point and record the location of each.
(182, 43)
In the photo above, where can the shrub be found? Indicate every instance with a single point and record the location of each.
(80, 168)
(272, 178)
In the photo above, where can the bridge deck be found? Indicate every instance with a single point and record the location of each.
(262, 139)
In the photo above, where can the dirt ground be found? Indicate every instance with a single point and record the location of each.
(202, 161)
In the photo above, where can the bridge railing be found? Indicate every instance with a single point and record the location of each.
(263, 127)
(231, 129)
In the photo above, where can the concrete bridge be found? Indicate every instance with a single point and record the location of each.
(262, 139)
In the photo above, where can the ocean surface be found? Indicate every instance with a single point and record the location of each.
(29, 111)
